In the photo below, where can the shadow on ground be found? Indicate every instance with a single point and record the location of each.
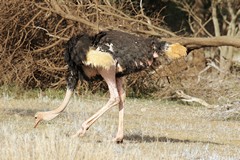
(20, 112)
(151, 139)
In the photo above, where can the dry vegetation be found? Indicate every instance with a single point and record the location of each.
(154, 129)
(33, 34)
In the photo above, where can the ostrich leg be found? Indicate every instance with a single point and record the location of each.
(109, 77)
(121, 92)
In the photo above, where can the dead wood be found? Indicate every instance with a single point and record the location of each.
(187, 98)
(196, 42)
(226, 111)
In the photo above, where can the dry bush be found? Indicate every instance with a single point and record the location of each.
(34, 32)
(30, 58)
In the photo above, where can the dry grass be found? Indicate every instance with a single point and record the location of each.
(154, 129)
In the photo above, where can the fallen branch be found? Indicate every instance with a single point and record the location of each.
(210, 64)
(186, 98)
(195, 43)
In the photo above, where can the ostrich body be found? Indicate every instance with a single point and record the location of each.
(110, 55)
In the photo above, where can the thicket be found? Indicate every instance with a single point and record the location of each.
(33, 34)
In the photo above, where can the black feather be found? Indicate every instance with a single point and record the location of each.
(133, 53)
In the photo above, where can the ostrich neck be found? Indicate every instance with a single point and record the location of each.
(64, 103)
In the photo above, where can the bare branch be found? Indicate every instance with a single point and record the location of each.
(196, 43)
(230, 9)
(186, 98)
(47, 47)
(123, 16)
(215, 19)
(55, 8)
(238, 13)
(51, 35)
(97, 14)
(184, 6)
(143, 15)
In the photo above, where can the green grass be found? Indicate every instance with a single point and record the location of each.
(154, 129)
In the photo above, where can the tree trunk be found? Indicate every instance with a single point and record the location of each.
(226, 52)
(196, 42)
(226, 56)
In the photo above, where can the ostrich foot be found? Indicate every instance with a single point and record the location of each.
(80, 133)
(118, 140)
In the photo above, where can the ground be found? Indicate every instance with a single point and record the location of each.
(154, 129)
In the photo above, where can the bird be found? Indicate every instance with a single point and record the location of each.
(110, 55)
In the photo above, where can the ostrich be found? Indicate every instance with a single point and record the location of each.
(110, 55)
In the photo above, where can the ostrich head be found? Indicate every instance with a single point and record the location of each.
(47, 116)
(172, 51)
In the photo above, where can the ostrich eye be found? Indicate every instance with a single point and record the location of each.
(35, 117)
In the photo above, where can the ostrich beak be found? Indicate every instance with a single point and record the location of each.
(37, 120)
